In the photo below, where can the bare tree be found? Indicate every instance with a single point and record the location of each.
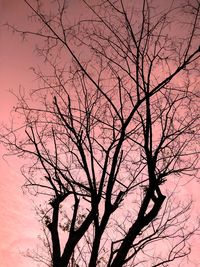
(112, 132)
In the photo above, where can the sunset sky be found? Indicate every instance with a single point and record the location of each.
(19, 227)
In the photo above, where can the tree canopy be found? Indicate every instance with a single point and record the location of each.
(112, 130)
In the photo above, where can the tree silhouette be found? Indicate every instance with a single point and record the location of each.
(112, 130)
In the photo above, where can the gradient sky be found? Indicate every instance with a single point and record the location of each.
(18, 224)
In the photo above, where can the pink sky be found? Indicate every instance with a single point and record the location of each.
(18, 224)
(19, 227)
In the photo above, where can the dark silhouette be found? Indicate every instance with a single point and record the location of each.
(111, 131)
